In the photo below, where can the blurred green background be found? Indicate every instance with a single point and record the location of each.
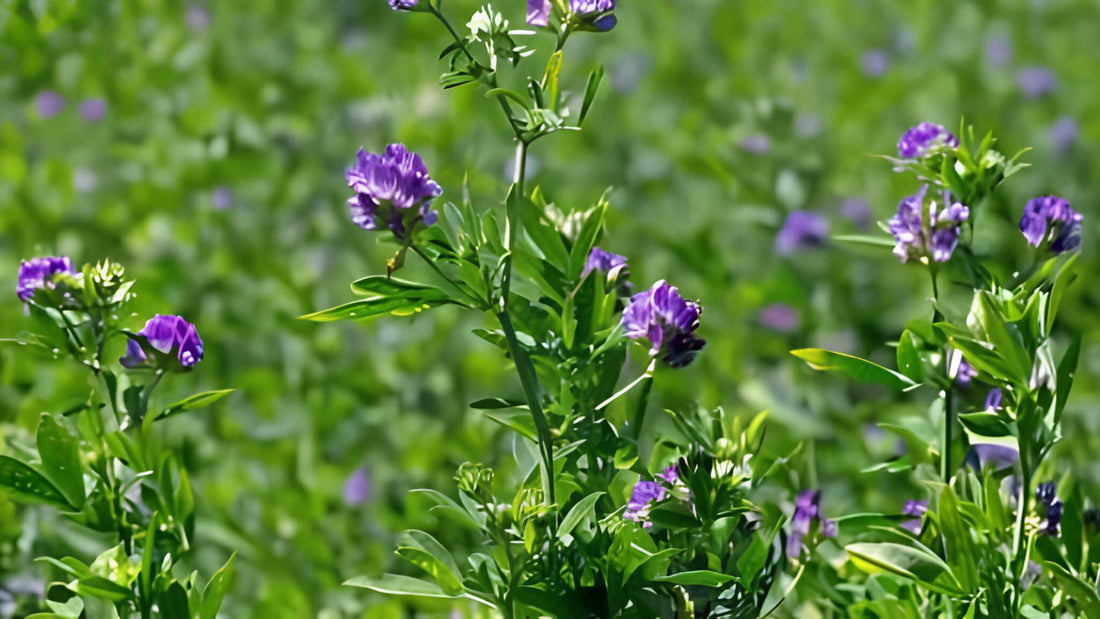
(210, 162)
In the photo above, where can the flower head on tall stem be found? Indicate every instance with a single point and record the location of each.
(392, 190)
(1050, 222)
(927, 232)
(807, 512)
(663, 317)
(165, 343)
(925, 139)
(38, 273)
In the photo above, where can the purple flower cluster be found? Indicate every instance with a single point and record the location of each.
(1036, 82)
(999, 457)
(801, 230)
(965, 374)
(916, 509)
(1046, 494)
(172, 337)
(646, 493)
(923, 139)
(49, 104)
(596, 12)
(1051, 220)
(38, 273)
(935, 239)
(780, 317)
(403, 5)
(605, 262)
(392, 190)
(807, 510)
(669, 322)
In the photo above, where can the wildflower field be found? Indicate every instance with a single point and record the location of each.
(565, 308)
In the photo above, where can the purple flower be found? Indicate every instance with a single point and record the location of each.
(538, 12)
(1046, 493)
(645, 494)
(998, 51)
(93, 110)
(965, 374)
(1036, 82)
(403, 5)
(1051, 220)
(924, 139)
(807, 510)
(39, 273)
(663, 317)
(875, 63)
(357, 488)
(1063, 133)
(668, 474)
(392, 190)
(222, 198)
(596, 11)
(197, 18)
(858, 211)
(1047, 496)
(605, 262)
(172, 337)
(993, 400)
(801, 230)
(989, 454)
(780, 317)
(917, 241)
(914, 508)
(49, 104)
(756, 143)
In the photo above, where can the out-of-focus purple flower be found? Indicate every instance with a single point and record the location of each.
(197, 17)
(49, 104)
(93, 110)
(999, 457)
(38, 273)
(993, 400)
(392, 190)
(663, 317)
(403, 5)
(858, 211)
(1036, 82)
(756, 143)
(914, 508)
(357, 488)
(1047, 496)
(998, 51)
(668, 474)
(645, 494)
(173, 337)
(780, 317)
(924, 139)
(875, 63)
(1046, 493)
(801, 230)
(222, 198)
(1051, 220)
(937, 241)
(807, 510)
(1063, 133)
(596, 11)
(965, 374)
(605, 262)
(538, 12)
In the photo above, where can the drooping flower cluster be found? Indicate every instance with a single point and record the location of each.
(801, 230)
(602, 261)
(1047, 497)
(1051, 221)
(38, 273)
(663, 317)
(915, 509)
(165, 343)
(936, 238)
(596, 13)
(646, 493)
(391, 190)
(923, 139)
(807, 511)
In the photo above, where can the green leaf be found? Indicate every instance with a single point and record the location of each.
(214, 591)
(422, 550)
(858, 369)
(583, 509)
(905, 561)
(382, 286)
(702, 578)
(492, 404)
(102, 588)
(60, 454)
(985, 424)
(909, 361)
(29, 484)
(959, 545)
(1067, 369)
(590, 88)
(364, 309)
(586, 239)
(396, 584)
(865, 239)
(199, 400)
(173, 602)
(1082, 593)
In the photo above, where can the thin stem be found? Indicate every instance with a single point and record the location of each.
(511, 224)
(1018, 536)
(948, 394)
(480, 303)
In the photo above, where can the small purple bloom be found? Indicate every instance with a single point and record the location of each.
(914, 508)
(38, 273)
(915, 240)
(858, 211)
(403, 5)
(875, 63)
(965, 374)
(1051, 220)
(801, 230)
(993, 400)
(357, 488)
(668, 474)
(989, 454)
(998, 51)
(923, 139)
(222, 198)
(780, 317)
(756, 143)
(197, 18)
(1036, 82)
(807, 510)
(605, 262)
(49, 104)
(1063, 133)
(171, 336)
(598, 11)
(645, 494)
(1046, 493)
(93, 110)
(392, 190)
(663, 317)
(538, 12)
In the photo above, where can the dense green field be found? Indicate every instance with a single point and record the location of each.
(215, 174)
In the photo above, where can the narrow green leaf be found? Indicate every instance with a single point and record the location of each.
(376, 306)
(199, 400)
(1082, 593)
(905, 561)
(102, 588)
(590, 88)
(985, 424)
(396, 584)
(422, 550)
(702, 578)
(214, 591)
(583, 509)
(865, 239)
(29, 484)
(60, 454)
(909, 361)
(858, 369)
(586, 240)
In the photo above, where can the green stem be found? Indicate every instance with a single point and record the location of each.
(948, 393)
(1019, 536)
